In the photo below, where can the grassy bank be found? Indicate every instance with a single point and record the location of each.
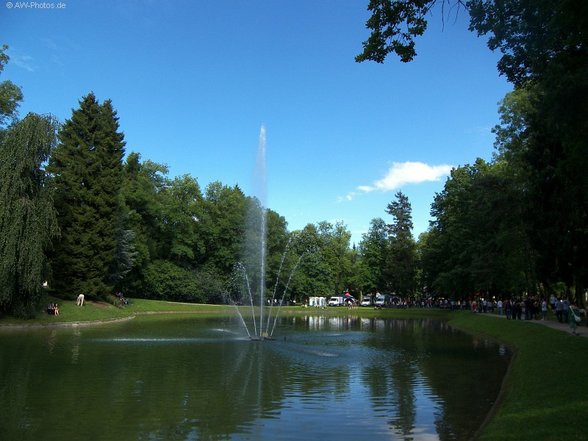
(93, 311)
(545, 395)
(69, 312)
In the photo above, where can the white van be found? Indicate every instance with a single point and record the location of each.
(380, 300)
(336, 301)
(367, 301)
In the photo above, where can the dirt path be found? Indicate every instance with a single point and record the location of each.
(581, 329)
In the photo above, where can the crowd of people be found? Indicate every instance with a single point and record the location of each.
(519, 308)
(529, 308)
(534, 308)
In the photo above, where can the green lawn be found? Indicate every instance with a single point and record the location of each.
(69, 312)
(546, 390)
(101, 311)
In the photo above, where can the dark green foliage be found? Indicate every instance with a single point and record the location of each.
(180, 236)
(548, 155)
(142, 186)
(164, 280)
(394, 25)
(387, 258)
(373, 250)
(544, 131)
(277, 244)
(477, 242)
(534, 37)
(194, 239)
(316, 275)
(223, 226)
(400, 271)
(27, 217)
(10, 94)
(333, 250)
(125, 254)
(87, 171)
(542, 144)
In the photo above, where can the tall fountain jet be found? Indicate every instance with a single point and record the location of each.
(251, 271)
(252, 268)
(260, 192)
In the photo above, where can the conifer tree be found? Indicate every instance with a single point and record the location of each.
(87, 170)
(402, 247)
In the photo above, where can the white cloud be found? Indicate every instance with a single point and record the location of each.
(25, 62)
(348, 197)
(22, 60)
(403, 173)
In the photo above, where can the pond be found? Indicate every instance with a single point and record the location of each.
(185, 378)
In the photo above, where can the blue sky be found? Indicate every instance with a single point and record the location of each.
(194, 81)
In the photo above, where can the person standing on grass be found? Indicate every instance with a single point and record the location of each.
(566, 310)
(552, 302)
(572, 319)
(559, 310)
(543, 309)
(508, 308)
(518, 309)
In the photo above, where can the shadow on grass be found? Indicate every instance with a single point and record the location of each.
(545, 394)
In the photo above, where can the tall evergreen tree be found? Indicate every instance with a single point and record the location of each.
(27, 217)
(401, 267)
(87, 171)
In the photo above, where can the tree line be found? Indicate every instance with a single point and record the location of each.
(79, 212)
(516, 224)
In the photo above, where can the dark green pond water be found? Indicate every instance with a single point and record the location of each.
(195, 379)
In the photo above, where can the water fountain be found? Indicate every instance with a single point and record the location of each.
(252, 271)
(256, 331)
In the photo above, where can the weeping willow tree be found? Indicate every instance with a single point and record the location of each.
(27, 217)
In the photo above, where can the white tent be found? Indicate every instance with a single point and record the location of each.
(317, 302)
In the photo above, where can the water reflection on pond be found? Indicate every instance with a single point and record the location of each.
(194, 379)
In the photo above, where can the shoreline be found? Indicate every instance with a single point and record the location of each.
(76, 324)
(581, 330)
